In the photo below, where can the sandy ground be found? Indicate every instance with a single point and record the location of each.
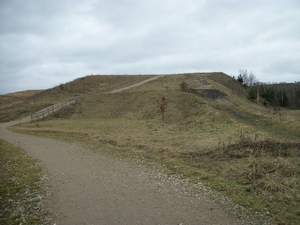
(91, 187)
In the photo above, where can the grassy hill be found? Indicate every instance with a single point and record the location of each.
(210, 132)
(21, 104)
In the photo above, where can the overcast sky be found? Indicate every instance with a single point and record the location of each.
(48, 42)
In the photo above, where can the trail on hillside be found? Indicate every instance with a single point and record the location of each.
(134, 85)
(91, 187)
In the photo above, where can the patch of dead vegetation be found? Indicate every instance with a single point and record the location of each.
(21, 188)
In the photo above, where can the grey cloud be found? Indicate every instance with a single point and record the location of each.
(57, 41)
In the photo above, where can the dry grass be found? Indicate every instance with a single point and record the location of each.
(256, 173)
(215, 135)
(20, 188)
(13, 98)
(21, 104)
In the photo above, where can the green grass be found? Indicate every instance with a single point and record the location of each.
(20, 187)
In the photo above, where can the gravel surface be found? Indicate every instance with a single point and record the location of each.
(89, 187)
(134, 85)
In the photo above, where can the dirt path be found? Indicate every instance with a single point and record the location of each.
(91, 187)
(134, 85)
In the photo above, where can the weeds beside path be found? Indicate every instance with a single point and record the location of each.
(21, 188)
(200, 139)
(93, 188)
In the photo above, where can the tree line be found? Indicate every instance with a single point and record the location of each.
(276, 94)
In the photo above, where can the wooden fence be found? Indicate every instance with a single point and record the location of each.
(47, 111)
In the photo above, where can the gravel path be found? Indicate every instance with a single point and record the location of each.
(93, 188)
(134, 85)
(89, 187)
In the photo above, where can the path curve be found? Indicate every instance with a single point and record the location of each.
(91, 187)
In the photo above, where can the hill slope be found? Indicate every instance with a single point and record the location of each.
(21, 104)
(213, 96)
(206, 131)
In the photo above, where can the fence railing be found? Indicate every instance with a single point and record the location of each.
(47, 111)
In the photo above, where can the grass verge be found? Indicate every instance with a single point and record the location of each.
(20, 187)
(252, 169)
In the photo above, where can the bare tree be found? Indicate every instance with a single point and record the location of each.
(162, 105)
(184, 86)
(248, 80)
(244, 75)
(252, 79)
